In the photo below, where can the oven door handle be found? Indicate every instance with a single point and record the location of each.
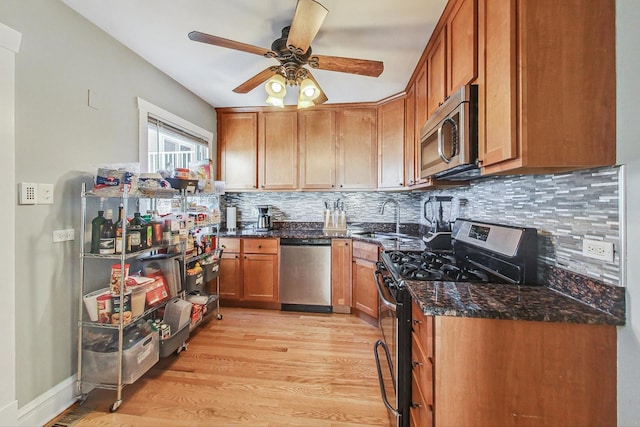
(377, 275)
(383, 392)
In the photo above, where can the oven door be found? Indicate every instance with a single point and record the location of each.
(385, 350)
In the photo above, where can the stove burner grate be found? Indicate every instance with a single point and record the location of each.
(428, 265)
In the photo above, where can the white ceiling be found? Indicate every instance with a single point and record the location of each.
(394, 32)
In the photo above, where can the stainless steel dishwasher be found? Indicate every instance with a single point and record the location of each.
(305, 275)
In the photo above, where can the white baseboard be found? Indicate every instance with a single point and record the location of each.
(48, 405)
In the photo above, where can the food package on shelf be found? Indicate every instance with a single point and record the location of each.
(111, 179)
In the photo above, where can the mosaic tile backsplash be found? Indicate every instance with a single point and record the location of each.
(565, 208)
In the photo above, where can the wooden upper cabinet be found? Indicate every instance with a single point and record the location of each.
(391, 144)
(238, 159)
(548, 92)
(317, 149)
(437, 72)
(357, 148)
(278, 151)
(462, 42)
(410, 139)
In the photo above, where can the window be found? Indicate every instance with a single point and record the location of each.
(170, 147)
(168, 141)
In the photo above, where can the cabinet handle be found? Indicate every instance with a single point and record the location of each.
(263, 186)
(245, 257)
(411, 182)
(346, 243)
(400, 184)
(415, 363)
(237, 256)
(416, 321)
(259, 246)
(332, 185)
(340, 185)
(415, 405)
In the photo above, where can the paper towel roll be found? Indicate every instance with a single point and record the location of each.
(231, 219)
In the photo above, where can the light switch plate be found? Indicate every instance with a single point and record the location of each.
(63, 235)
(45, 194)
(28, 193)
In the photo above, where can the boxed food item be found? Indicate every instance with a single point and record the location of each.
(91, 302)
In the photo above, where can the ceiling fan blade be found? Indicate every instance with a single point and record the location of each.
(363, 67)
(323, 97)
(307, 20)
(230, 44)
(255, 81)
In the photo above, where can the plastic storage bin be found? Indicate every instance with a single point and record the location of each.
(195, 282)
(177, 313)
(175, 341)
(102, 368)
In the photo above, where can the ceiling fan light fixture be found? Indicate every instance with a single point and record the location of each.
(276, 86)
(275, 101)
(304, 103)
(308, 90)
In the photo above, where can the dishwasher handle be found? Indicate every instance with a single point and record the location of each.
(305, 241)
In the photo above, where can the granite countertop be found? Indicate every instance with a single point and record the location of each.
(500, 301)
(411, 243)
(463, 299)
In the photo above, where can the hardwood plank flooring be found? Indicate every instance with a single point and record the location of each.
(258, 368)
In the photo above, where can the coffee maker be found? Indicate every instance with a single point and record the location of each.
(264, 218)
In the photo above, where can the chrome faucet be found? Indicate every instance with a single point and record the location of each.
(397, 212)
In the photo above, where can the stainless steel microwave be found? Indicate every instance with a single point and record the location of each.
(449, 138)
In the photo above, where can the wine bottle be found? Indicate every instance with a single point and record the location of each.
(135, 231)
(108, 235)
(119, 225)
(96, 231)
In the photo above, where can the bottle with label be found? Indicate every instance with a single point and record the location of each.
(96, 231)
(108, 235)
(147, 235)
(166, 232)
(119, 225)
(135, 233)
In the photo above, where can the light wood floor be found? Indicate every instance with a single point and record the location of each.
(258, 368)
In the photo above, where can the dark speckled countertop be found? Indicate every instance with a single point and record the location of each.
(494, 301)
(499, 301)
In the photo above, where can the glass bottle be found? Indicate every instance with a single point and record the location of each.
(135, 231)
(108, 235)
(96, 231)
(119, 225)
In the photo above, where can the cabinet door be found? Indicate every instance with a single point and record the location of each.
(278, 151)
(357, 148)
(365, 292)
(497, 102)
(436, 73)
(421, 113)
(230, 276)
(260, 277)
(341, 275)
(391, 144)
(238, 152)
(462, 41)
(317, 146)
(410, 136)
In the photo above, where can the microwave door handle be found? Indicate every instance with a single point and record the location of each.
(454, 127)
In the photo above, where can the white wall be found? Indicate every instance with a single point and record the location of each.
(9, 45)
(58, 139)
(628, 143)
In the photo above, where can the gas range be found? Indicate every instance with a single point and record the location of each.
(480, 252)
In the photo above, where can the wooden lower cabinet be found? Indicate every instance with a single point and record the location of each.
(230, 278)
(341, 275)
(365, 291)
(489, 372)
(251, 273)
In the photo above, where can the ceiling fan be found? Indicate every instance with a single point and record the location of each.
(293, 51)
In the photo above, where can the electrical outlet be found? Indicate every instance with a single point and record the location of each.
(63, 235)
(45, 194)
(598, 249)
(28, 194)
